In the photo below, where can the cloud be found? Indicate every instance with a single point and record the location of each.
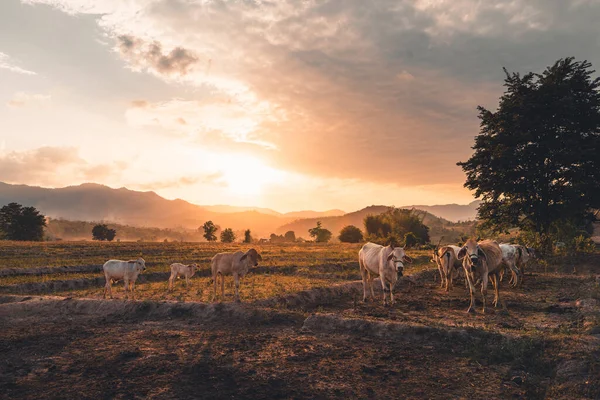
(7, 63)
(53, 166)
(150, 56)
(380, 91)
(213, 179)
(22, 99)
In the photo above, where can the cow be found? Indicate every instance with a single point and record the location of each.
(524, 256)
(186, 271)
(510, 255)
(448, 264)
(128, 271)
(386, 262)
(482, 260)
(236, 264)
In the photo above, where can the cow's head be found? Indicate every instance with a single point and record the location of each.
(252, 258)
(140, 264)
(471, 255)
(397, 258)
(193, 267)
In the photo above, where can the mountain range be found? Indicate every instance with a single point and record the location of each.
(94, 202)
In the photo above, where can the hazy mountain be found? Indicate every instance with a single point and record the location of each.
(93, 202)
(267, 211)
(314, 214)
(438, 226)
(452, 212)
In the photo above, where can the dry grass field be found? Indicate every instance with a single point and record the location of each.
(300, 331)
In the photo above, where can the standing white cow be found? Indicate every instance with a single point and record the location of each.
(128, 271)
(186, 271)
(510, 255)
(385, 262)
(449, 266)
(236, 264)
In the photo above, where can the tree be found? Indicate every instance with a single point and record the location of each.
(209, 231)
(227, 235)
(392, 226)
(103, 232)
(290, 236)
(536, 163)
(350, 234)
(410, 240)
(21, 223)
(247, 236)
(320, 234)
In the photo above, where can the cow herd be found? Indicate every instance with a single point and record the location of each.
(477, 261)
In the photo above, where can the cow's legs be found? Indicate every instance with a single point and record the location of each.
(222, 287)
(171, 279)
(132, 289)
(484, 285)
(365, 279)
(468, 278)
(236, 281)
(441, 271)
(371, 284)
(385, 290)
(392, 293)
(126, 284)
(187, 281)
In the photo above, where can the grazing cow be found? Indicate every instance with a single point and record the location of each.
(510, 255)
(524, 256)
(186, 271)
(236, 264)
(448, 264)
(385, 262)
(128, 271)
(482, 260)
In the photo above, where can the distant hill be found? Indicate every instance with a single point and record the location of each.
(93, 202)
(267, 211)
(452, 212)
(438, 226)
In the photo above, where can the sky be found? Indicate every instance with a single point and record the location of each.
(286, 104)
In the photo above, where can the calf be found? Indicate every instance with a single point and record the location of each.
(385, 262)
(236, 264)
(448, 264)
(186, 271)
(128, 271)
(482, 260)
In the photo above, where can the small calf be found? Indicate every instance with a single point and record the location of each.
(178, 269)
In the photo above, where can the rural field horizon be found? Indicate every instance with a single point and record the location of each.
(289, 199)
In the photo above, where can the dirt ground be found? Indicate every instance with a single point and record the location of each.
(321, 343)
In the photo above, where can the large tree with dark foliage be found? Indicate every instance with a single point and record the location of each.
(210, 230)
(103, 232)
(350, 234)
(21, 223)
(536, 163)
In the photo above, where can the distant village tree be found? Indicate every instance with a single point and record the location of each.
(227, 235)
(350, 234)
(210, 230)
(102, 232)
(536, 164)
(21, 223)
(247, 236)
(392, 226)
(290, 236)
(320, 234)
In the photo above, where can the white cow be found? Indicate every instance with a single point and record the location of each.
(236, 264)
(385, 262)
(510, 256)
(128, 271)
(186, 271)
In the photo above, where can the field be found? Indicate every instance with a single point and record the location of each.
(300, 331)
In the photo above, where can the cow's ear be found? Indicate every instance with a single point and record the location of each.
(244, 257)
(392, 245)
(481, 253)
(390, 256)
(462, 253)
(407, 259)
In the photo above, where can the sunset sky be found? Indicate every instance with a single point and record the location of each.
(284, 104)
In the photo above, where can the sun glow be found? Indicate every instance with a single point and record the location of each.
(247, 176)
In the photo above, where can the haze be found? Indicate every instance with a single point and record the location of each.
(281, 104)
